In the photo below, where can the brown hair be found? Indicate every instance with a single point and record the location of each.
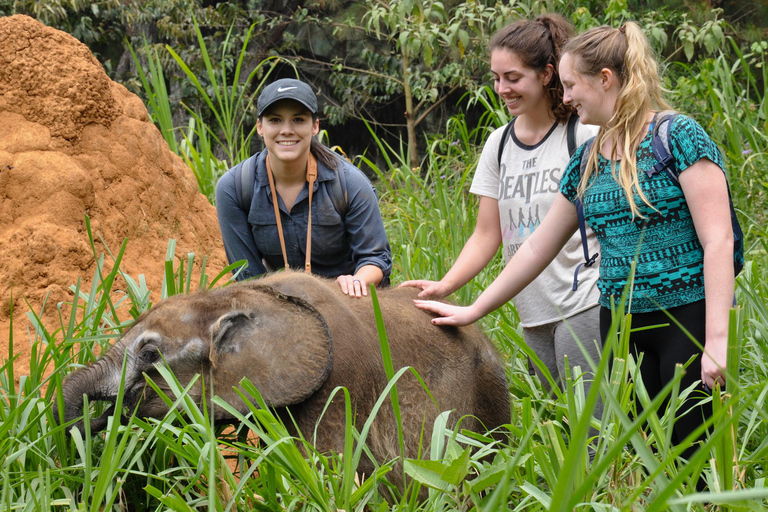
(626, 52)
(538, 43)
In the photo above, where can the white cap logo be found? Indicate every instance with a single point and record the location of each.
(283, 89)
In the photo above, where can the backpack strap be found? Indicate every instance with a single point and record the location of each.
(339, 192)
(660, 145)
(504, 137)
(588, 260)
(245, 176)
(570, 133)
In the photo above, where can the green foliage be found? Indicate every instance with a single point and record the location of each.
(225, 97)
(710, 35)
(431, 49)
(156, 92)
(369, 57)
(172, 20)
(230, 100)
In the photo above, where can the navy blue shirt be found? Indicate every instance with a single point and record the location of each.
(340, 246)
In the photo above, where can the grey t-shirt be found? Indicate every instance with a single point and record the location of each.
(525, 186)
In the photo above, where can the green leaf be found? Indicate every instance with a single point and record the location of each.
(491, 476)
(688, 49)
(403, 39)
(717, 32)
(537, 493)
(427, 472)
(457, 470)
(427, 56)
(414, 45)
(463, 41)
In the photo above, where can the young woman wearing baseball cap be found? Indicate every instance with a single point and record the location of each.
(308, 207)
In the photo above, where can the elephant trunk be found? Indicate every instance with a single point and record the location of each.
(99, 382)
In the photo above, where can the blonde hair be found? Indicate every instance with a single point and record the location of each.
(626, 52)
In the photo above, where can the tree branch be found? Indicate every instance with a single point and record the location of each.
(349, 68)
(435, 105)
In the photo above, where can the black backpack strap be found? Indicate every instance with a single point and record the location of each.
(588, 260)
(339, 192)
(571, 133)
(245, 176)
(660, 145)
(504, 137)
(237, 171)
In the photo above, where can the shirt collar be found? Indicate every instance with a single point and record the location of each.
(323, 172)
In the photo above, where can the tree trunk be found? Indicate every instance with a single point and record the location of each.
(410, 115)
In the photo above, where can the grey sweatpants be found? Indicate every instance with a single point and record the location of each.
(553, 341)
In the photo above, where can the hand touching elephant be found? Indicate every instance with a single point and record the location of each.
(297, 338)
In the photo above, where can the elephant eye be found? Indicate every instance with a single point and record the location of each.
(149, 354)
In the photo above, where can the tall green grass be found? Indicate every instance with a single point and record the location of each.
(549, 462)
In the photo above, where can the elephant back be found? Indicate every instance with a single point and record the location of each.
(458, 364)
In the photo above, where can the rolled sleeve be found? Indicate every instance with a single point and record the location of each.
(368, 242)
(235, 230)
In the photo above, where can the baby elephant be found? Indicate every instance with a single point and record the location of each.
(296, 337)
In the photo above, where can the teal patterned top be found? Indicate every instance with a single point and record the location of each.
(670, 258)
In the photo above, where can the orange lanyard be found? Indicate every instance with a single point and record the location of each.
(311, 176)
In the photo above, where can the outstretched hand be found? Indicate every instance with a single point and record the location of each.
(429, 289)
(448, 314)
(353, 286)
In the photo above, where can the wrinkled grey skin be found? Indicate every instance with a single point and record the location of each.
(297, 338)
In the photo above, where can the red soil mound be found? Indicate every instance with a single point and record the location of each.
(74, 143)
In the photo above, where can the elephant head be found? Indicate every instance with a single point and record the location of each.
(280, 343)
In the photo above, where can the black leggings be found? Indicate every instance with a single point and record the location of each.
(662, 349)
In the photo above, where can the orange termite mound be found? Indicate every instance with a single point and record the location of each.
(75, 143)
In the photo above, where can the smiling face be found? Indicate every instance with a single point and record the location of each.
(287, 128)
(523, 89)
(593, 97)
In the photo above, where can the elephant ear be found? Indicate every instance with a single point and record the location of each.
(301, 285)
(281, 344)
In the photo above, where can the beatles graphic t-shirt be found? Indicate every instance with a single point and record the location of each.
(525, 185)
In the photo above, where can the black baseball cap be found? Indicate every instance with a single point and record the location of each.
(287, 89)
